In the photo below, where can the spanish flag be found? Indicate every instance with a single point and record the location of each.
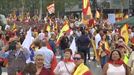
(64, 29)
(48, 28)
(13, 27)
(86, 10)
(94, 48)
(124, 33)
(107, 48)
(97, 14)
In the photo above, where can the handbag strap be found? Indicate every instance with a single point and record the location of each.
(67, 68)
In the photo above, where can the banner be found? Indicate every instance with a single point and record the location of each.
(111, 18)
(51, 8)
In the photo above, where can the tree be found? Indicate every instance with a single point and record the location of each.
(71, 3)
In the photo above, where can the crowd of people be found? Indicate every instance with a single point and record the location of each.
(111, 52)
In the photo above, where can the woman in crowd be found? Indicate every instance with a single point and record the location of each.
(66, 66)
(124, 49)
(16, 58)
(104, 52)
(116, 66)
(131, 62)
(39, 63)
(37, 68)
(30, 69)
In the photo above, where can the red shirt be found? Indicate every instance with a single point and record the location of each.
(45, 71)
(87, 73)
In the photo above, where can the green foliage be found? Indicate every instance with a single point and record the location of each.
(6, 6)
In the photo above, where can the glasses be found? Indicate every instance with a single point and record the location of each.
(76, 58)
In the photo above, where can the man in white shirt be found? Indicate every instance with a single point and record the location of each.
(47, 53)
(97, 38)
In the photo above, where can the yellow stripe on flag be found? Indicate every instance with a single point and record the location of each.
(97, 15)
(94, 48)
(85, 3)
(107, 48)
(48, 28)
(124, 33)
(14, 26)
(64, 29)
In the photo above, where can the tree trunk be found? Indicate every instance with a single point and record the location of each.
(40, 14)
(23, 7)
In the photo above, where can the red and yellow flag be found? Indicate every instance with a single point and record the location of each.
(65, 28)
(107, 48)
(97, 14)
(86, 11)
(48, 28)
(124, 33)
(86, 7)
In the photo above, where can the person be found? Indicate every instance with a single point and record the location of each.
(1, 45)
(83, 45)
(47, 53)
(52, 43)
(39, 61)
(64, 43)
(36, 45)
(66, 66)
(1, 42)
(115, 65)
(80, 68)
(17, 57)
(124, 49)
(30, 69)
(41, 35)
(105, 50)
(131, 62)
(36, 68)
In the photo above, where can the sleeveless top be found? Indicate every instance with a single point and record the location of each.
(113, 70)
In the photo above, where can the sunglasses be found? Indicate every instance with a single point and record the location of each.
(76, 58)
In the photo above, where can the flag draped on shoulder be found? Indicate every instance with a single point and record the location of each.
(51, 8)
(94, 48)
(107, 48)
(124, 33)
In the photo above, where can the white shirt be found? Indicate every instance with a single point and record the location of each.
(78, 33)
(62, 70)
(112, 70)
(48, 54)
(97, 39)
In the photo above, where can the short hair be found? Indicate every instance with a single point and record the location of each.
(81, 54)
(37, 42)
(121, 38)
(39, 55)
(68, 50)
(30, 68)
(110, 58)
(43, 43)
